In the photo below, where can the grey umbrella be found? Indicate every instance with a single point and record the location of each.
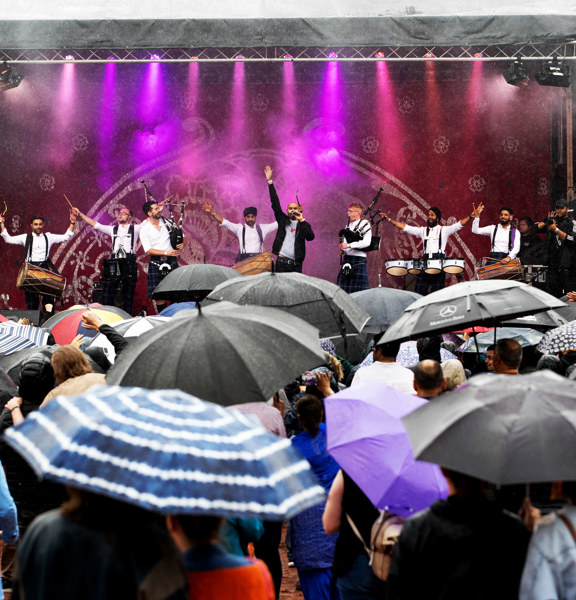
(321, 303)
(547, 319)
(223, 353)
(192, 282)
(501, 428)
(384, 305)
(484, 302)
(525, 336)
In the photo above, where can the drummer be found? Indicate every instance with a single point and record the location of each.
(250, 235)
(435, 238)
(37, 251)
(505, 238)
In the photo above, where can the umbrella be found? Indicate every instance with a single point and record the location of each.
(6, 384)
(10, 343)
(557, 340)
(176, 307)
(384, 305)
(368, 440)
(130, 328)
(192, 282)
(523, 335)
(504, 429)
(38, 335)
(408, 355)
(486, 301)
(223, 353)
(321, 303)
(67, 324)
(12, 363)
(168, 452)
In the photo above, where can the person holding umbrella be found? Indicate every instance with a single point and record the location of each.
(293, 232)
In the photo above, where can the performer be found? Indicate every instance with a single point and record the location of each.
(435, 238)
(37, 247)
(155, 239)
(353, 276)
(124, 239)
(505, 238)
(293, 232)
(561, 250)
(250, 236)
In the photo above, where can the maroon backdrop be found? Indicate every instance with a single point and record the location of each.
(444, 134)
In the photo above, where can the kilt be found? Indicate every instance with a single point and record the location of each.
(358, 279)
(129, 270)
(154, 275)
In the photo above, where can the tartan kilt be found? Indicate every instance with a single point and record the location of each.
(358, 279)
(154, 276)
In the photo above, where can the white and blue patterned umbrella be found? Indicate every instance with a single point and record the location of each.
(10, 343)
(36, 334)
(561, 339)
(166, 451)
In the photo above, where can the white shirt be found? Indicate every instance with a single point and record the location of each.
(392, 374)
(253, 245)
(150, 237)
(432, 238)
(289, 242)
(122, 239)
(38, 253)
(502, 239)
(355, 248)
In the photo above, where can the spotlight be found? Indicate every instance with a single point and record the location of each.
(239, 57)
(9, 78)
(516, 74)
(154, 57)
(554, 74)
(333, 55)
(430, 55)
(69, 57)
(380, 55)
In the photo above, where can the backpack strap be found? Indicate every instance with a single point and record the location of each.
(259, 230)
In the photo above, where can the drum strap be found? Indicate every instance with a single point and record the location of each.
(131, 233)
(259, 230)
(511, 237)
(28, 247)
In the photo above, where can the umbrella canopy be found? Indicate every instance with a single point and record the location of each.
(67, 324)
(224, 353)
(176, 307)
(408, 355)
(501, 428)
(6, 384)
(321, 303)
(168, 452)
(469, 303)
(192, 282)
(384, 305)
(368, 440)
(38, 335)
(523, 335)
(546, 319)
(557, 340)
(10, 343)
(12, 363)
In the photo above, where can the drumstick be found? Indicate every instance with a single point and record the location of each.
(5, 208)
(68, 202)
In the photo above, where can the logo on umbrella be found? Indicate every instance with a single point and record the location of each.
(448, 311)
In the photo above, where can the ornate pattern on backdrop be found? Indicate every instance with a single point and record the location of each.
(336, 131)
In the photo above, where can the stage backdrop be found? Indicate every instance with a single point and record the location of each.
(444, 134)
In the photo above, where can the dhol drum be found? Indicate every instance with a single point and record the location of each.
(396, 268)
(261, 263)
(433, 266)
(414, 266)
(453, 265)
(496, 270)
(42, 281)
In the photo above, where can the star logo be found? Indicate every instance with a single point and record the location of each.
(448, 311)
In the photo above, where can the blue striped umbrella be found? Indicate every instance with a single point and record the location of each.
(38, 335)
(166, 451)
(10, 343)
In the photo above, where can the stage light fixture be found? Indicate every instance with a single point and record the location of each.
(9, 77)
(516, 74)
(554, 74)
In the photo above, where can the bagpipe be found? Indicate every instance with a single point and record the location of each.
(174, 230)
(370, 219)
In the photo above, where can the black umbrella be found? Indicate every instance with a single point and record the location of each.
(192, 282)
(547, 319)
(223, 353)
(12, 363)
(321, 303)
(484, 302)
(7, 385)
(504, 429)
(384, 305)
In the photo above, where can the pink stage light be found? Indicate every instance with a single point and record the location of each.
(479, 55)
(238, 57)
(154, 57)
(68, 57)
(333, 55)
(380, 55)
(287, 57)
(429, 55)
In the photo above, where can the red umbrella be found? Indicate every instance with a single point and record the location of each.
(66, 325)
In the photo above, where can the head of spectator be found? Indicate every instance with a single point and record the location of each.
(454, 373)
(36, 380)
(429, 380)
(550, 362)
(429, 348)
(386, 352)
(490, 358)
(507, 357)
(310, 411)
(525, 226)
(69, 362)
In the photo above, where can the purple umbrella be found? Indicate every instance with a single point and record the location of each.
(368, 440)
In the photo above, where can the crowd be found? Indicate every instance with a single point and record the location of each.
(480, 541)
